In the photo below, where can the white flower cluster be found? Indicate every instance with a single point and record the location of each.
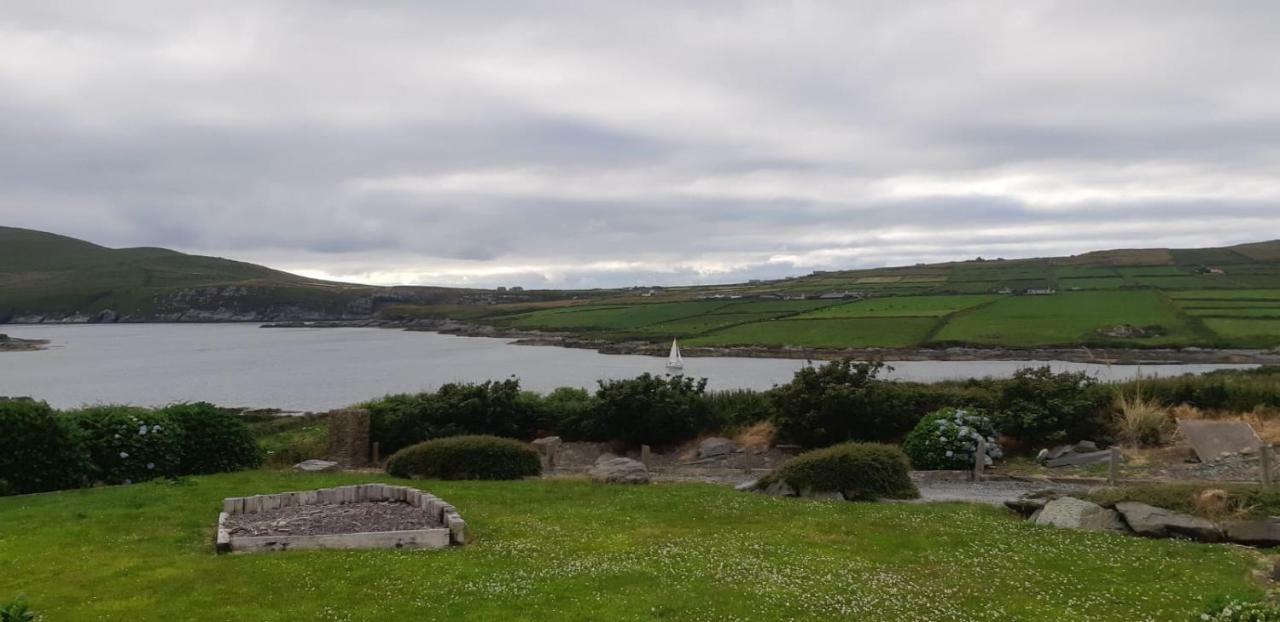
(961, 433)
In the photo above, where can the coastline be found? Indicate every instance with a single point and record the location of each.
(1080, 354)
(14, 344)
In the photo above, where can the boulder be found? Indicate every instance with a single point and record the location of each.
(1154, 522)
(1079, 459)
(619, 471)
(1084, 447)
(546, 441)
(1264, 532)
(715, 446)
(779, 488)
(317, 466)
(750, 485)
(1072, 513)
(1025, 506)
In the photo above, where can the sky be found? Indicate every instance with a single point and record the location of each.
(604, 144)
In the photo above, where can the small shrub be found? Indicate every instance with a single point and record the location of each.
(861, 471)
(1142, 421)
(650, 409)
(738, 409)
(128, 444)
(948, 439)
(39, 449)
(16, 610)
(1232, 610)
(466, 457)
(212, 439)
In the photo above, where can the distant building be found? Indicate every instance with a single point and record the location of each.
(1004, 290)
(1041, 292)
(1217, 271)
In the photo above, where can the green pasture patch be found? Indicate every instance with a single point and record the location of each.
(700, 324)
(1114, 282)
(901, 306)
(1067, 318)
(1183, 282)
(824, 333)
(574, 551)
(1232, 294)
(1144, 271)
(615, 318)
(777, 307)
(1246, 332)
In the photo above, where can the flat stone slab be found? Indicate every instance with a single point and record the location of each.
(1072, 513)
(1085, 459)
(1212, 439)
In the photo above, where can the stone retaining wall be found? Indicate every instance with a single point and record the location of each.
(452, 529)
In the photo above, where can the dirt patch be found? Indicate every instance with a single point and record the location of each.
(315, 520)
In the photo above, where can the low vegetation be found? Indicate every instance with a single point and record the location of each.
(569, 550)
(1214, 501)
(858, 471)
(466, 457)
(948, 439)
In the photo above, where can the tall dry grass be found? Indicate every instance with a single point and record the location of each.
(1142, 421)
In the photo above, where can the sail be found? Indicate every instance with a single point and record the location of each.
(675, 360)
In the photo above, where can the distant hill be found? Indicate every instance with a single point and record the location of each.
(49, 277)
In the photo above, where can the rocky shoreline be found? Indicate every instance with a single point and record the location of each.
(13, 344)
(1106, 356)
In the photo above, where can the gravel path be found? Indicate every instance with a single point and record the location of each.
(991, 493)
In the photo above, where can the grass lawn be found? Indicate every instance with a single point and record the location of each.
(563, 550)
(836, 333)
(1067, 318)
(1246, 331)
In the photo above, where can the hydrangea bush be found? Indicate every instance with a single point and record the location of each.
(130, 444)
(948, 439)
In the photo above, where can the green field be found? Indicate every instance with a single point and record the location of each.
(838, 333)
(1246, 332)
(1068, 318)
(565, 550)
(901, 306)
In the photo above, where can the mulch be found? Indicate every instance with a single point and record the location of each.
(315, 520)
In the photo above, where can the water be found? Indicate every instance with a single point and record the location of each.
(318, 369)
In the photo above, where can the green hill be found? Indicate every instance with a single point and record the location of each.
(48, 276)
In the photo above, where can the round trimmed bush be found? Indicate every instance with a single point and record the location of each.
(212, 439)
(948, 438)
(861, 471)
(466, 457)
(39, 449)
(128, 444)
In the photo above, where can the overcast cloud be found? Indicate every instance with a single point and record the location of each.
(578, 144)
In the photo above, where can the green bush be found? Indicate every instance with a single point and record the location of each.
(128, 444)
(948, 439)
(649, 409)
(466, 457)
(569, 412)
(496, 408)
(1040, 406)
(732, 410)
(861, 471)
(837, 402)
(212, 439)
(39, 449)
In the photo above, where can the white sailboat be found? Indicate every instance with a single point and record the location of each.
(675, 362)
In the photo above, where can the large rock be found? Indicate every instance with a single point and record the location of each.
(1077, 459)
(317, 466)
(1072, 513)
(779, 488)
(715, 446)
(546, 441)
(619, 471)
(750, 485)
(1264, 532)
(1153, 522)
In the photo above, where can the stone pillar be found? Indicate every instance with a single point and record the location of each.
(349, 437)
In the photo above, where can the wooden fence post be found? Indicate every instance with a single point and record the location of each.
(980, 459)
(1113, 466)
(644, 454)
(1264, 455)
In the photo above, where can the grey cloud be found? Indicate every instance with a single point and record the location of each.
(565, 144)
